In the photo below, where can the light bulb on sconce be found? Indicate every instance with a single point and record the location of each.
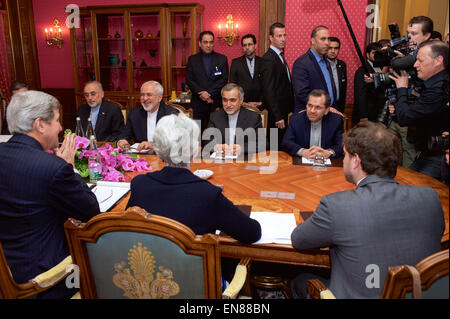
(54, 38)
(231, 31)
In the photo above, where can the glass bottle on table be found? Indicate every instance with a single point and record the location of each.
(90, 130)
(94, 161)
(79, 128)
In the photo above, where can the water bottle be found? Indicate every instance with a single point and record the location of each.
(94, 162)
(79, 129)
(90, 131)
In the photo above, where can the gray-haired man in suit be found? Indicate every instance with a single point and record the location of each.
(378, 224)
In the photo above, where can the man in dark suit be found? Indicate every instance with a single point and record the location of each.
(206, 74)
(230, 120)
(339, 70)
(278, 96)
(312, 70)
(141, 121)
(316, 131)
(378, 224)
(106, 117)
(368, 99)
(38, 190)
(246, 71)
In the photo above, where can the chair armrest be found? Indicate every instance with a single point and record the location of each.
(53, 275)
(318, 290)
(239, 278)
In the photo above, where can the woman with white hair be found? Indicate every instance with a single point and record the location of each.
(175, 192)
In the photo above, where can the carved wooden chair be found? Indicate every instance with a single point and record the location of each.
(9, 289)
(122, 108)
(428, 279)
(139, 255)
(188, 112)
(264, 114)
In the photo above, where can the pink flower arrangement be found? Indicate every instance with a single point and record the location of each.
(114, 162)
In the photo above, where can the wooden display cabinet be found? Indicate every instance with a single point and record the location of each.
(126, 45)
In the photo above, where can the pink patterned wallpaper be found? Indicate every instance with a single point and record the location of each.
(303, 15)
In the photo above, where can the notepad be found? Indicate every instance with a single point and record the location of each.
(109, 193)
(276, 228)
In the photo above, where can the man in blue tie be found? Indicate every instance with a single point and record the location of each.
(312, 70)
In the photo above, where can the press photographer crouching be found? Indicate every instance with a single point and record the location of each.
(427, 116)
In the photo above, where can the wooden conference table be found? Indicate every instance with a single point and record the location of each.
(242, 183)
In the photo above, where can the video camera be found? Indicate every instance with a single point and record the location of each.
(388, 57)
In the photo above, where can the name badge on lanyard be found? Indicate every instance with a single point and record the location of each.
(217, 71)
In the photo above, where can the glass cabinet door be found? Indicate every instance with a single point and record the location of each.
(185, 26)
(112, 51)
(84, 52)
(145, 48)
(180, 23)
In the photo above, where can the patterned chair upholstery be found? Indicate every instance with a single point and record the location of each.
(139, 255)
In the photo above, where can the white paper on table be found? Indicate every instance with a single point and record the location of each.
(311, 161)
(275, 227)
(5, 138)
(109, 193)
(216, 156)
(133, 149)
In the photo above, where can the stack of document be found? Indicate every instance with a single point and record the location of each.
(109, 193)
(275, 227)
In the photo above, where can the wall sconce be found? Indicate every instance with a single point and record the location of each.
(231, 31)
(54, 35)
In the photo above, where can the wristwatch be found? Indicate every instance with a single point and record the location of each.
(332, 152)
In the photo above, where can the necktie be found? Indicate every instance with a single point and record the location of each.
(333, 84)
(285, 65)
(251, 66)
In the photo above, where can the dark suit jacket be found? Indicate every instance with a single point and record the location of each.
(240, 74)
(198, 79)
(342, 77)
(109, 124)
(38, 192)
(178, 194)
(246, 119)
(277, 89)
(298, 133)
(368, 100)
(136, 127)
(306, 76)
(379, 223)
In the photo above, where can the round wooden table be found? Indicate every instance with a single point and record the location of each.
(243, 182)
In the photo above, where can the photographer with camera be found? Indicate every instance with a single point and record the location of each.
(427, 116)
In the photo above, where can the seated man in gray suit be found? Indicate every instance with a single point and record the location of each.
(316, 131)
(378, 224)
(141, 121)
(238, 126)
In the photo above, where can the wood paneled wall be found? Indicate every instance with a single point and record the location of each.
(270, 11)
(21, 42)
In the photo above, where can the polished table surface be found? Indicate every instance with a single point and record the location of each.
(242, 183)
